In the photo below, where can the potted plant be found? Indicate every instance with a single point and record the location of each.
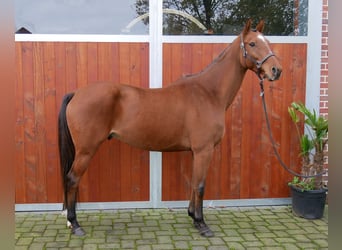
(309, 193)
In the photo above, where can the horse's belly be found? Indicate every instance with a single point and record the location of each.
(153, 141)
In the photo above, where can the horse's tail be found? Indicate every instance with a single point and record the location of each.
(66, 145)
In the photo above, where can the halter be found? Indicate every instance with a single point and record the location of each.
(257, 63)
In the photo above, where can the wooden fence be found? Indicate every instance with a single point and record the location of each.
(244, 165)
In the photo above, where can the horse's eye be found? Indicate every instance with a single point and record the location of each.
(252, 44)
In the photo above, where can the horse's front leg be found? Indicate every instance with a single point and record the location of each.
(201, 162)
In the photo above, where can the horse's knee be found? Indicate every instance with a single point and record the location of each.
(72, 181)
(201, 188)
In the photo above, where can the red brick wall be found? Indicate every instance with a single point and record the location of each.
(324, 71)
(324, 62)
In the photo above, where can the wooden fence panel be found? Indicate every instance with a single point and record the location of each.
(244, 164)
(45, 72)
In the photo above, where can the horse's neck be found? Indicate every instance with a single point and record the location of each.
(225, 75)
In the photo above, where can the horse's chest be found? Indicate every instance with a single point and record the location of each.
(210, 129)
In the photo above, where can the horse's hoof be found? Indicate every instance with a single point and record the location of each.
(207, 233)
(203, 229)
(78, 231)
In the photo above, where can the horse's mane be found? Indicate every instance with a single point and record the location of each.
(218, 59)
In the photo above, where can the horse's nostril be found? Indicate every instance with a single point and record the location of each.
(276, 72)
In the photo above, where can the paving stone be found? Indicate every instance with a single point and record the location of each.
(56, 245)
(146, 242)
(254, 244)
(144, 247)
(75, 243)
(34, 246)
(236, 246)
(50, 232)
(165, 232)
(164, 239)
(109, 246)
(181, 245)
(234, 228)
(285, 240)
(216, 241)
(272, 248)
(308, 245)
(127, 244)
(265, 235)
(198, 248)
(98, 233)
(223, 247)
(44, 239)
(249, 236)
(90, 247)
(291, 246)
(233, 238)
(203, 242)
(269, 242)
(94, 240)
(24, 241)
(321, 243)
(163, 246)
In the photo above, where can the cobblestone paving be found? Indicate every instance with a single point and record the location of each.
(235, 228)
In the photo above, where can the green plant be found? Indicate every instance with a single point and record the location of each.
(312, 144)
(302, 184)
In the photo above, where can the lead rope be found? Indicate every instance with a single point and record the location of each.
(262, 94)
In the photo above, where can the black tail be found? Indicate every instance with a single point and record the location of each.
(66, 146)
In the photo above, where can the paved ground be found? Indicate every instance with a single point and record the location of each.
(235, 228)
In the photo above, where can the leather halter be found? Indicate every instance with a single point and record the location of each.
(257, 63)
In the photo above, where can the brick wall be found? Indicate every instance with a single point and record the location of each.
(324, 72)
(324, 62)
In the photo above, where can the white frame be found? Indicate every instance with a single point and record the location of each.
(156, 41)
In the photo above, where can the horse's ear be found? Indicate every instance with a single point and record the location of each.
(260, 26)
(247, 26)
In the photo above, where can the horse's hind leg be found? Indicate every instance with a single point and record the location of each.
(73, 179)
(201, 162)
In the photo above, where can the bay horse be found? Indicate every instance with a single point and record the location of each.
(187, 115)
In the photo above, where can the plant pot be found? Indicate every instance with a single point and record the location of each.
(308, 204)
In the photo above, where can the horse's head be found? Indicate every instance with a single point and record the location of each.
(256, 54)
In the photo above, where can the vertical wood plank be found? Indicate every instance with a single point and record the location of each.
(134, 64)
(39, 113)
(50, 113)
(235, 128)
(115, 69)
(70, 67)
(82, 64)
(245, 141)
(61, 90)
(30, 164)
(20, 172)
(105, 62)
(144, 65)
(93, 63)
